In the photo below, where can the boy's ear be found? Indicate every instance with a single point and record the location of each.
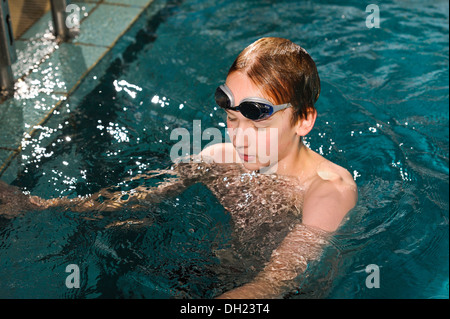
(305, 125)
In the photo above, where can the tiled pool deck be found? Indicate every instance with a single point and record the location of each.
(48, 73)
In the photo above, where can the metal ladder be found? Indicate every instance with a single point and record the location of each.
(7, 47)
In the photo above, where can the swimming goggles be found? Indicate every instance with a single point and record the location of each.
(253, 108)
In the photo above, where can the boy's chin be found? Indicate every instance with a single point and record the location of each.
(256, 166)
(252, 166)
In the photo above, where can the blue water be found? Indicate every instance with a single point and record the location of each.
(383, 115)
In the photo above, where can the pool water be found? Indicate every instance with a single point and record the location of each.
(383, 115)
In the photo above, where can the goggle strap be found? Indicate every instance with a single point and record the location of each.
(280, 107)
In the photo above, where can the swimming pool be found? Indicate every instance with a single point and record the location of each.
(383, 115)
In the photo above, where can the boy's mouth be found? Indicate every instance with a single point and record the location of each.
(246, 157)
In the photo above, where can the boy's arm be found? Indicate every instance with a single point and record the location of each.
(302, 245)
(106, 200)
(326, 203)
(328, 200)
(13, 201)
(138, 197)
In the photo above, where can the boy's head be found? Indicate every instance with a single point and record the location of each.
(283, 71)
(279, 72)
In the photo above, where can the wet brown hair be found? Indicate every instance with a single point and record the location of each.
(284, 71)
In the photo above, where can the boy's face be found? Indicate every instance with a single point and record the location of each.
(259, 143)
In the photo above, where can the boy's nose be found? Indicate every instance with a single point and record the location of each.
(240, 139)
(243, 136)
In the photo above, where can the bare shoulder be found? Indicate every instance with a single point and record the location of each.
(219, 153)
(329, 172)
(330, 196)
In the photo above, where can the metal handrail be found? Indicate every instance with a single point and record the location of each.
(59, 14)
(7, 50)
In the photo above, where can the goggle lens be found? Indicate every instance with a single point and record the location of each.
(222, 99)
(252, 110)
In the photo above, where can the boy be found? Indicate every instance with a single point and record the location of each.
(283, 73)
(269, 98)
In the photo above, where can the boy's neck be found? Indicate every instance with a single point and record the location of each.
(297, 163)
